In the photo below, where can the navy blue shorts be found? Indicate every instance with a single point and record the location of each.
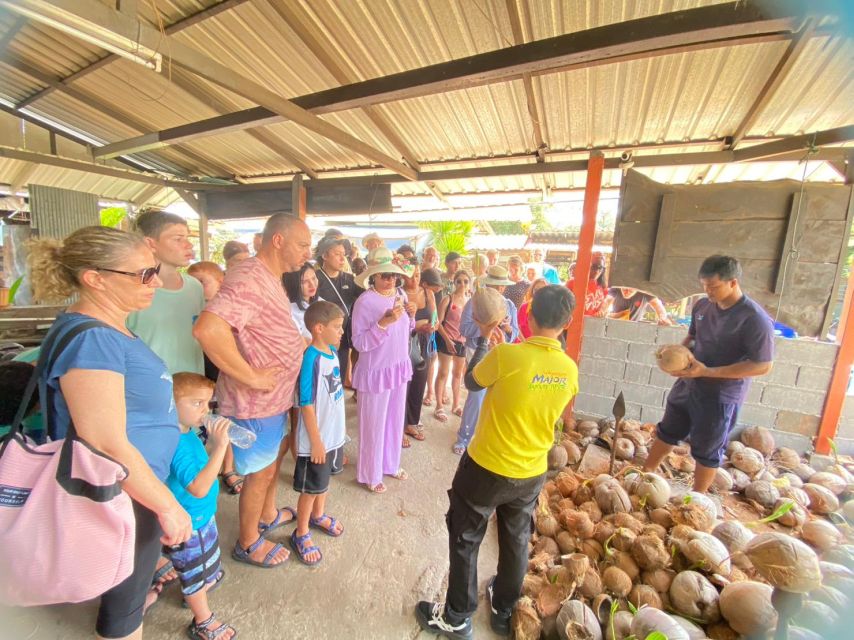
(703, 420)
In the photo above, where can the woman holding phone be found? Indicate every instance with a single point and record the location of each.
(382, 321)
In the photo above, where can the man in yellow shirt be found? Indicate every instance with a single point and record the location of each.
(528, 386)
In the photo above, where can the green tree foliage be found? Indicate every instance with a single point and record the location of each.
(218, 237)
(113, 216)
(450, 236)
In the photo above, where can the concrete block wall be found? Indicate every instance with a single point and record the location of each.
(618, 355)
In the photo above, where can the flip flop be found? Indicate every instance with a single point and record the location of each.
(376, 488)
(330, 530)
(233, 488)
(242, 555)
(298, 544)
(427, 402)
(400, 474)
(264, 528)
(415, 432)
(440, 415)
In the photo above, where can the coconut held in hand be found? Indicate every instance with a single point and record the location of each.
(673, 358)
(488, 306)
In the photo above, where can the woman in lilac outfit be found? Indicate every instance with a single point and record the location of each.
(382, 321)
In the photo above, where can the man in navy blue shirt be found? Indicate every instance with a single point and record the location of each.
(732, 340)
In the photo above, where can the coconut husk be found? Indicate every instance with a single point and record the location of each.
(577, 523)
(573, 451)
(692, 515)
(559, 574)
(549, 599)
(653, 529)
(785, 562)
(564, 504)
(583, 494)
(525, 622)
(540, 562)
(547, 525)
(591, 584)
(758, 438)
(603, 531)
(532, 584)
(830, 481)
(748, 460)
(661, 517)
(722, 631)
(566, 542)
(566, 483)
(649, 552)
(546, 545)
(592, 509)
(623, 560)
(592, 549)
(628, 521)
(576, 565)
(762, 492)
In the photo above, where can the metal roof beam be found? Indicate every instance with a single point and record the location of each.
(171, 29)
(90, 167)
(724, 25)
(98, 18)
(802, 144)
(775, 79)
(124, 118)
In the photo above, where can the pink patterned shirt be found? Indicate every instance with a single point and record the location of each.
(253, 301)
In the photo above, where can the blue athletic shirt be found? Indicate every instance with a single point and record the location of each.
(189, 459)
(320, 385)
(152, 421)
(727, 336)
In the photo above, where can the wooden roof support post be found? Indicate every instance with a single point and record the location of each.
(299, 197)
(841, 372)
(595, 167)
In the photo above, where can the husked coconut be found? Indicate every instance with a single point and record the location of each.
(546, 545)
(623, 539)
(708, 552)
(763, 492)
(647, 620)
(576, 621)
(747, 607)
(547, 525)
(748, 460)
(659, 579)
(733, 446)
(734, 536)
(798, 495)
(592, 549)
(603, 531)
(817, 616)
(565, 542)
(843, 555)
(653, 529)
(692, 595)
(821, 535)
(616, 581)
(740, 480)
(790, 480)
(488, 306)
(532, 584)
(549, 599)
(612, 498)
(591, 585)
(830, 481)
(573, 451)
(822, 499)
(661, 517)
(591, 509)
(673, 358)
(566, 483)
(784, 561)
(525, 622)
(833, 598)
(621, 625)
(557, 457)
(795, 516)
(694, 632)
(624, 520)
(623, 560)
(578, 523)
(758, 438)
(588, 428)
(803, 471)
(723, 480)
(642, 594)
(625, 449)
(787, 458)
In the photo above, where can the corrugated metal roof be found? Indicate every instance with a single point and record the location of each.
(682, 97)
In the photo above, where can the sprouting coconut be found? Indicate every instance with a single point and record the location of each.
(822, 499)
(821, 535)
(746, 606)
(706, 552)
(649, 552)
(758, 438)
(692, 595)
(740, 480)
(723, 480)
(654, 489)
(647, 620)
(796, 516)
(642, 594)
(803, 471)
(673, 358)
(621, 624)
(603, 531)
(785, 562)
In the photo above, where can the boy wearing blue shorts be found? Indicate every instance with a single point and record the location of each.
(321, 430)
(193, 481)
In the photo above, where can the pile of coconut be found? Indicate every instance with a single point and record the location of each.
(635, 554)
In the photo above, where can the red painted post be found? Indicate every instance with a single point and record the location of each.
(841, 372)
(595, 166)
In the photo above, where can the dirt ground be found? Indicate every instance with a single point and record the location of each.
(393, 553)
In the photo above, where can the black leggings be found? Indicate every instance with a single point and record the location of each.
(415, 394)
(122, 606)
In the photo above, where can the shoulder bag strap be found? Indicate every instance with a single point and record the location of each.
(335, 289)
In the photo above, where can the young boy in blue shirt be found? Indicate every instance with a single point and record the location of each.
(193, 481)
(321, 430)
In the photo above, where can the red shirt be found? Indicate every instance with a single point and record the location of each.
(596, 295)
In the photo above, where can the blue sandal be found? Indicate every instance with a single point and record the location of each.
(264, 528)
(242, 555)
(329, 530)
(298, 544)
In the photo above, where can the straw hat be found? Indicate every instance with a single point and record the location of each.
(381, 262)
(497, 277)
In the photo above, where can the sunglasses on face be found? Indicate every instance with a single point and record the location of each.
(388, 276)
(145, 275)
(462, 281)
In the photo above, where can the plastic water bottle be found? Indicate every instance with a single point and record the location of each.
(239, 436)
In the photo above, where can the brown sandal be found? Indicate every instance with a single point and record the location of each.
(415, 431)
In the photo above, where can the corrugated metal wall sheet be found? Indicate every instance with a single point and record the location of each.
(58, 212)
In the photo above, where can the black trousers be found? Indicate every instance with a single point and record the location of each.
(475, 493)
(120, 613)
(344, 352)
(415, 394)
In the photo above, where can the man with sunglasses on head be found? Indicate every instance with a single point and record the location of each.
(167, 325)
